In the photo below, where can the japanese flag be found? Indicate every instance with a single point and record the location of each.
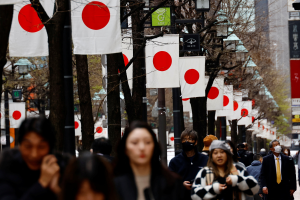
(254, 115)
(246, 109)
(7, 2)
(16, 114)
(99, 130)
(127, 51)
(77, 125)
(162, 62)
(171, 139)
(192, 76)
(238, 96)
(236, 110)
(227, 102)
(28, 36)
(215, 94)
(96, 27)
(186, 105)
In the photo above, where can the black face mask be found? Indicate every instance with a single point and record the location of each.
(187, 146)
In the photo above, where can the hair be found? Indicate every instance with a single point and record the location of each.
(228, 165)
(235, 154)
(102, 145)
(40, 126)
(88, 167)
(271, 143)
(289, 151)
(189, 132)
(257, 157)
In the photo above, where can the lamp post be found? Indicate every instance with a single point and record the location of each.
(23, 65)
(222, 27)
(202, 5)
(250, 65)
(231, 42)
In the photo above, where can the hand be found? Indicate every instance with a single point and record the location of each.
(261, 195)
(265, 190)
(292, 192)
(54, 184)
(222, 187)
(187, 185)
(49, 169)
(228, 181)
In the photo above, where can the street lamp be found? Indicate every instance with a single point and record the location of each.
(261, 91)
(222, 27)
(23, 66)
(250, 65)
(241, 52)
(202, 5)
(231, 42)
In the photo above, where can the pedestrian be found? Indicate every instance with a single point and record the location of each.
(207, 141)
(249, 153)
(243, 155)
(222, 179)
(235, 155)
(31, 172)
(254, 170)
(278, 177)
(188, 163)
(287, 152)
(102, 147)
(263, 152)
(297, 158)
(88, 177)
(138, 170)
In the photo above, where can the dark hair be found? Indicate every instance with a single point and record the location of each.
(289, 151)
(122, 165)
(88, 167)
(271, 143)
(241, 146)
(257, 157)
(102, 145)
(235, 154)
(41, 126)
(189, 132)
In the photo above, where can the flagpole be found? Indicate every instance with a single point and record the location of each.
(69, 132)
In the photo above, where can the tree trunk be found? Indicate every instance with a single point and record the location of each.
(218, 127)
(211, 122)
(234, 132)
(84, 94)
(113, 99)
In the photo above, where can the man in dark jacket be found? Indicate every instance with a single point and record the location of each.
(102, 147)
(244, 156)
(188, 163)
(254, 170)
(278, 177)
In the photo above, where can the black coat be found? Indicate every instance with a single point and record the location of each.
(268, 177)
(163, 187)
(18, 182)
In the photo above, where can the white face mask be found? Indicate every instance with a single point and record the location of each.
(277, 149)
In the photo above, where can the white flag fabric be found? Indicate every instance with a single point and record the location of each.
(237, 96)
(77, 125)
(227, 102)
(236, 110)
(127, 51)
(28, 36)
(246, 109)
(96, 27)
(192, 76)
(16, 114)
(215, 94)
(186, 105)
(162, 55)
(99, 130)
(7, 2)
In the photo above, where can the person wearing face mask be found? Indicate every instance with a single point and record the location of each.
(277, 176)
(188, 163)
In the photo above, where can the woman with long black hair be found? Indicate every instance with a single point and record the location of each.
(139, 172)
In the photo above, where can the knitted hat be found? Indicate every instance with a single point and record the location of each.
(207, 141)
(218, 144)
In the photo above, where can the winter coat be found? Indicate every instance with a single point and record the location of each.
(243, 182)
(18, 182)
(164, 186)
(254, 169)
(245, 157)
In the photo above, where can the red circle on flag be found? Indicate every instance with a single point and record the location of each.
(99, 129)
(213, 93)
(253, 118)
(225, 100)
(162, 61)
(16, 115)
(29, 19)
(95, 15)
(125, 59)
(76, 125)
(186, 99)
(172, 138)
(235, 105)
(191, 76)
(244, 112)
(253, 102)
(263, 127)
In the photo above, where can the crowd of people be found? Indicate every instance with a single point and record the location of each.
(221, 171)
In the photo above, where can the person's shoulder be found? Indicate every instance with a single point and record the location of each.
(202, 156)
(178, 157)
(9, 159)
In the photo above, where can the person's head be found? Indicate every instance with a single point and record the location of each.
(233, 150)
(87, 177)
(220, 156)
(36, 140)
(258, 157)
(246, 146)
(287, 152)
(102, 145)
(207, 142)
(275, 146)
(138, 146)
(189, 139)
(241, 146)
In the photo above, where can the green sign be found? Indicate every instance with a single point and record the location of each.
(17, 94)
(161, 17)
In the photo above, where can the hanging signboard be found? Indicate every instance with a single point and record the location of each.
(17, 94)
(161, 17)
(294, 40)
(191, 42)
(295, 82)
